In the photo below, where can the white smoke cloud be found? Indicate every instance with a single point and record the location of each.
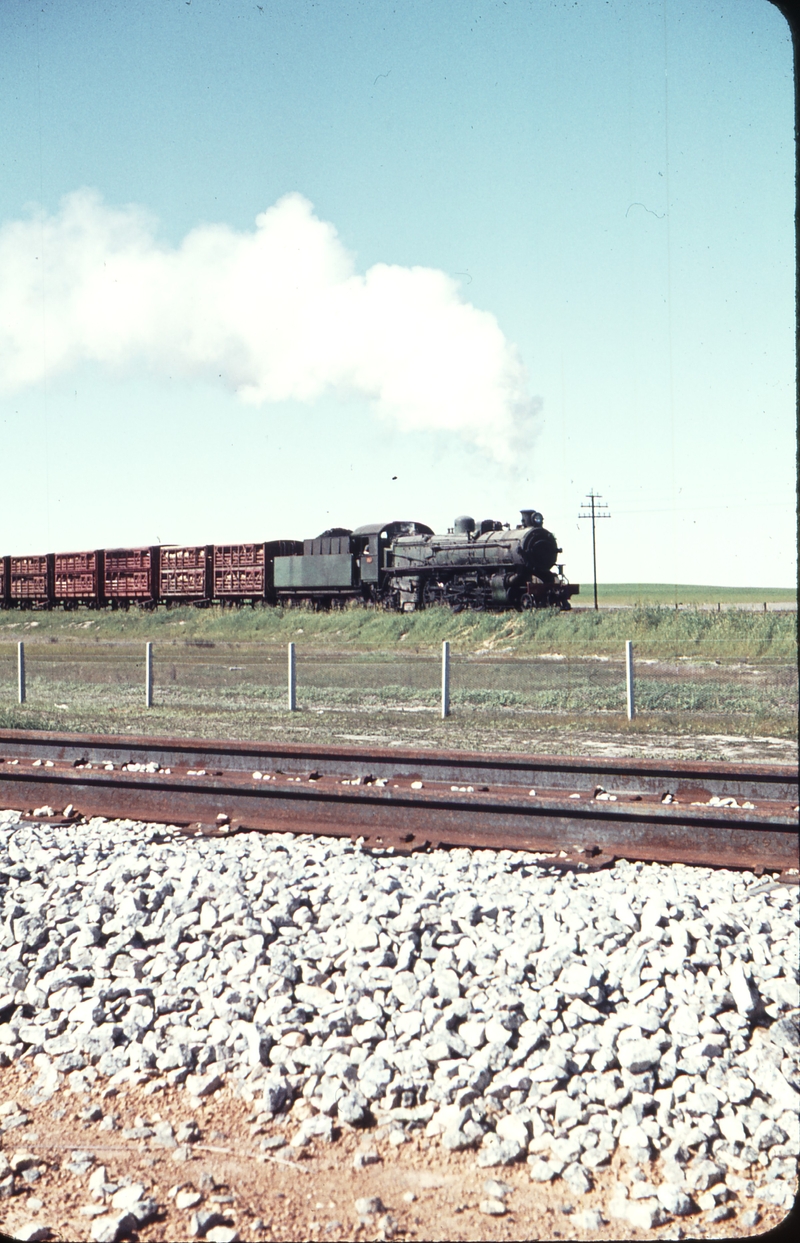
(279, 312)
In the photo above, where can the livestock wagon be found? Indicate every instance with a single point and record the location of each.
(185, 574)
(78, 579)
(131, 576)
(239, 572)
(246, 572)
(31, 581)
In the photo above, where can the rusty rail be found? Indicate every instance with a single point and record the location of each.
(593, 810)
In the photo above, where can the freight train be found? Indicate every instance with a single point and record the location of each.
(400, 565)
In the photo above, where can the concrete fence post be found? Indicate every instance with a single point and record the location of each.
(629, 679)
(21, 672)
(445, 679)
(292, 679)
(148, 675)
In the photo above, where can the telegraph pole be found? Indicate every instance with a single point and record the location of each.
(594, 507)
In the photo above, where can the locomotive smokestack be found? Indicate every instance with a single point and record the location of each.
(527, 515)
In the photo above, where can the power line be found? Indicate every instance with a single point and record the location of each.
(595, 507)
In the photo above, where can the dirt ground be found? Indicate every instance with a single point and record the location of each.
(284, 1193)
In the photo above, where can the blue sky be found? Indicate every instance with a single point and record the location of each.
(540, 248)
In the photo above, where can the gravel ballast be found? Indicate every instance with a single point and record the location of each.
(632, 1031)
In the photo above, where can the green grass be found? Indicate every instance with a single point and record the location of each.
(12, 717)
(683, 594)
(657, 631)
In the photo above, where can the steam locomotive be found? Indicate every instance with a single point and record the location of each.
(490, 566)
(400, 565)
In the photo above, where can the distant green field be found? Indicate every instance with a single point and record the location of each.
(683, 593)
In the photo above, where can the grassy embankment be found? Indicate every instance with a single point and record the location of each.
(365, 673)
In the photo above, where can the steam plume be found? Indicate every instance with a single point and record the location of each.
(279, 312)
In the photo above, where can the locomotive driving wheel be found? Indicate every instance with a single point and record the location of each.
(433, 593)
(458, 593)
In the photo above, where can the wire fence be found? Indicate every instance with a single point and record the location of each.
(119, 677)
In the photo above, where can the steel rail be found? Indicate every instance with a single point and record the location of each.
(593, 810)
(738, 780)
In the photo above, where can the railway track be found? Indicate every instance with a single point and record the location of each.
(585, 812)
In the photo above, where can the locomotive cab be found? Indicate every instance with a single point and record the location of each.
(376, 542)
